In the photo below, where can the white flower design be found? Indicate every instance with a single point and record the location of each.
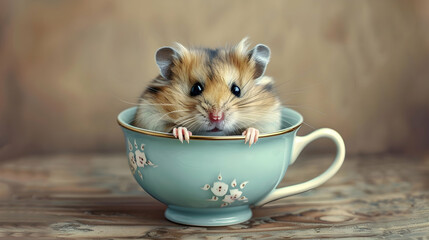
(214, 198)
(135, 144)
(235, 193)
(130, 146)
(228, 199)
(243, 198)
(151, 164)
(243, 184)
(132, 162)
(137, 159)
(219, 189)
(234, 183)
(141, 158)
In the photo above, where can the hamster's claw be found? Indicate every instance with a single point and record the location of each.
(251, 136)
(182, 133)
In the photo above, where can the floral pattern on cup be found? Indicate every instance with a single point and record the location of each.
(132, 162)
(219, 189)
(137, 158)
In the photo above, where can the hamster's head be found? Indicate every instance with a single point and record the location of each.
(214, 90)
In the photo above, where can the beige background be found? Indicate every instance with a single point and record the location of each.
(360, 67)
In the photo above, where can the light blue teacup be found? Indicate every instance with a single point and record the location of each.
(215, 180)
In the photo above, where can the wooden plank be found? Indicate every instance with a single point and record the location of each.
(88, 196)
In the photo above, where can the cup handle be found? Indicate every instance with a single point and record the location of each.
(299, 144)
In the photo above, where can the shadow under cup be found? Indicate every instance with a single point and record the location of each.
(213, 180)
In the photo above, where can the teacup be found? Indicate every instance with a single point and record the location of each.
(215, 180)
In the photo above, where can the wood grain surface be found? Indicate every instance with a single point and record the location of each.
(95, 196)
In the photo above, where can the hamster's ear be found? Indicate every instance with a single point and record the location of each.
(164, 59)
(261, 55)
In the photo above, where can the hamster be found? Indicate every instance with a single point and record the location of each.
(211, 92)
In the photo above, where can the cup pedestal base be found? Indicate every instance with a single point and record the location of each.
(208, 216)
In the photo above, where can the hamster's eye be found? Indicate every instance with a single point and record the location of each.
(197, 89)
(235, 90)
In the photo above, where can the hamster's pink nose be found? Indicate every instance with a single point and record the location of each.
(215, 116)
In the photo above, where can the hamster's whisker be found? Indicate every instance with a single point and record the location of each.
(189, 125)
(251, 102)
(185, 122)
(254, 99)
(243, 126)
(226, 104)
(286, 121)
(199, 128)
(143, 104)
(237, 130)
(124, 101)
(171, 113)
(309, 125)
(198, 125)
(291, 124)
(184, 119)
(245, 85)
(261, 90)
(305, 107)
(230, 98)
(192, 124)
(248, 123)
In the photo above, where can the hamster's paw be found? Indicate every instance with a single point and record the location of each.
(251, 136)
(182, 133)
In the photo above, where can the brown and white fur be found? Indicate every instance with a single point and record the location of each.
(167, 105)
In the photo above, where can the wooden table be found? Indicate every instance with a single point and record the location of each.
(95, 196)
